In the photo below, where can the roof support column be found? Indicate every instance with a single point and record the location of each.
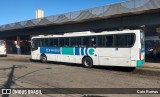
(158, 31)
(18, 45)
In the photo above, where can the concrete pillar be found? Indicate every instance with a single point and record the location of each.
(18, 45)
(158, 31)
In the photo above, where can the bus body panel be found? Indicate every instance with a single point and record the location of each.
(134, 56)
(78, 59)
(114, 56)
(138, 50)
(123, 57)
(35, 54)
(65, 54)
(135, 50)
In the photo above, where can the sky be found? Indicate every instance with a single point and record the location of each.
(12, 11)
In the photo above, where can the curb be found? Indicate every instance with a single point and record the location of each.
(22, 56)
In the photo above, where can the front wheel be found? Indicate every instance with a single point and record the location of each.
(87, 62)
(43, 59)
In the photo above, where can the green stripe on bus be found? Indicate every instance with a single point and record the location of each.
(67, 51)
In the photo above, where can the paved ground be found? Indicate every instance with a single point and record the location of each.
(28, 74)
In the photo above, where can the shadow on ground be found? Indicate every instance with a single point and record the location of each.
(113, 68)
(9, 82)
(139, 71)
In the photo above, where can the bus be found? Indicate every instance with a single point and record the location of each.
(3, 48)
(108, 48)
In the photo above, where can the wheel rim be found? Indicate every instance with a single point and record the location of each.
(43, 59)
(87, 63)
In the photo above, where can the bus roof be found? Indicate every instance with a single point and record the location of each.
(87, 33)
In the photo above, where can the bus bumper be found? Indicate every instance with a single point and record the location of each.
(140, 63)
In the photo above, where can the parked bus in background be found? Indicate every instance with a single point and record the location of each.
(3, 48)
(114, 48)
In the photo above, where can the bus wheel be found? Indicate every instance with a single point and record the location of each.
(43, 59)
(87, 62)
(129, 69)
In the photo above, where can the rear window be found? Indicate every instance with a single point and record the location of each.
(125, 40)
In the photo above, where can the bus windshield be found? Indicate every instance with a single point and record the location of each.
(34, 44)
(2, 42)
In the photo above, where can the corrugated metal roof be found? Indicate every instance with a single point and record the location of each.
(104, 12)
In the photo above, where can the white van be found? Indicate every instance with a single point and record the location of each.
(3, 48)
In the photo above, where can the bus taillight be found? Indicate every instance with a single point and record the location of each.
(4, 45)
(140, 54)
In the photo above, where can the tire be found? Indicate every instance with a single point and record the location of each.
(4, 55)
(32, 60)
(87, 62)
(43, 59)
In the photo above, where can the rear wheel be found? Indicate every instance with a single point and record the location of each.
(87, 62)
(43, 59)
(129, 69)
(132, 69)
(4, 55)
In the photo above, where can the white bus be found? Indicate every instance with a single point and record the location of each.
(3, 48)
(113, 48)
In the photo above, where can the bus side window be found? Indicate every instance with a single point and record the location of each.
(109, 41)
(100, 42)
(41, 42)
(61, 42)
(66, 42)
(55, 42)
(93, 41)
(50, 41)
(85, 41)
(46, 41)
(78, 41)
(121, 40)
(130, 40)
(73, 42)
